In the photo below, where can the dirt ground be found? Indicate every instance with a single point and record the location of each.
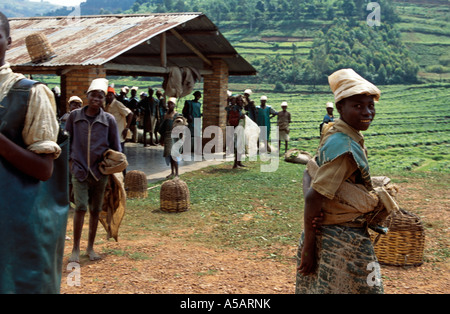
(172, 266)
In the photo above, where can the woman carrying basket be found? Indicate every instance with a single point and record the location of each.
(341, 258)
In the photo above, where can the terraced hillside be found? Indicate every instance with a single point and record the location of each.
(424, 27)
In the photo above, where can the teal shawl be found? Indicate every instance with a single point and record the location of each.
(338, 144)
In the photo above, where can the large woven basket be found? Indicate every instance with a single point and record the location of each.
(136, 184)
(175, 196)
(404, 244)
(39, 48)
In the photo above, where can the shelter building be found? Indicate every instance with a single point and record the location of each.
(150, 45)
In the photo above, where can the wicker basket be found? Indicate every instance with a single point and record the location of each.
(39, 48)
(136, 184)
(174, 196)
(404, 244)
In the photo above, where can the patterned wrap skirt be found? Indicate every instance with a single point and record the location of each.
(346, 263)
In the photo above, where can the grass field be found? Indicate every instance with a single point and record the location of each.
(411, 130)
(241, 208)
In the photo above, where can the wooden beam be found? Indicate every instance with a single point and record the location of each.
(179, 55)
(190, 46)
(141, 70)
(129, 68)
(163, 49)
(56, 70)
(199, 32)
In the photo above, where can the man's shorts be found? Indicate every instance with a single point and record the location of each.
(89, 193)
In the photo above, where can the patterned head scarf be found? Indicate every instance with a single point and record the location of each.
(346, 82)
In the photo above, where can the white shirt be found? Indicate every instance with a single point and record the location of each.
(40, 131)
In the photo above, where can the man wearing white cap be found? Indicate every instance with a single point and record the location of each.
(284, 119)
(263, 115)
(170, 118)
(92, 132)
(122, 97)
(249, 105)
(328, 117)
(74, 102)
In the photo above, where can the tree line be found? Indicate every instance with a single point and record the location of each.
(264, 14)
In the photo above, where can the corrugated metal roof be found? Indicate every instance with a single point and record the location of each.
(131, 40)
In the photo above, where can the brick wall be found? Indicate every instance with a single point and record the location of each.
(76, 82)
(215, 88)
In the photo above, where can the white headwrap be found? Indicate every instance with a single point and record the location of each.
(346, 82)
(100, 84)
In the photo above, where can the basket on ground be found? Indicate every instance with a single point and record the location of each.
(39, 48)
(136, 184)
(175, 196)
(404, 244)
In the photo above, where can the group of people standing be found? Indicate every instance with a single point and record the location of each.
(241, 106)
(147, 111)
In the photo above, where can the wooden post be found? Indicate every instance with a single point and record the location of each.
(76, 82)
(163, 46)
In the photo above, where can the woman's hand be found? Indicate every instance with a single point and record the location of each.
(308, 261)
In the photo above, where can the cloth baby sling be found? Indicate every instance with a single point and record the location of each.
(351, 200)
(33, 214)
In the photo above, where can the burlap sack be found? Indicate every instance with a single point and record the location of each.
(297, 156)
(114, 204)
(113, 162)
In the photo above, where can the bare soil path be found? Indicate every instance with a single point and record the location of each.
(154, 264)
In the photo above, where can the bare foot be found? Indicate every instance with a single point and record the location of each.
(93, 256)
(75, 257)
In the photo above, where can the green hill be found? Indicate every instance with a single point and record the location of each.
(425, 30)
(277, 36)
